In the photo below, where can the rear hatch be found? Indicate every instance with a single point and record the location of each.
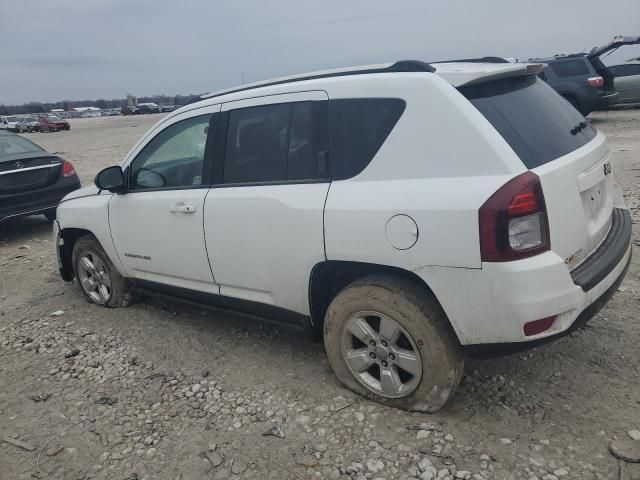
(556, 142)
(597, 52)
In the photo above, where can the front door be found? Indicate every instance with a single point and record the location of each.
(157, 226)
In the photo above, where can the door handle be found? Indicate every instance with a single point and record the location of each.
(182, 208)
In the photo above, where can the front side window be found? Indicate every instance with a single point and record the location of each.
(276, 143)
(174, 158)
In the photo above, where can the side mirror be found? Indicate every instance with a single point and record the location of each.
(111, 179)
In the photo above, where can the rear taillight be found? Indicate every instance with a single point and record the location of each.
(513, 221)
(67, 169)
(596, 81)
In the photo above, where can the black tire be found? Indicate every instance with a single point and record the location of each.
(51, 215)
(420, 315)
(120, 294)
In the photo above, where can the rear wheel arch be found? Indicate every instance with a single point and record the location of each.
(330, 277)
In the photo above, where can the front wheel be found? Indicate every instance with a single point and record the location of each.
(97, 276)
(389, 340)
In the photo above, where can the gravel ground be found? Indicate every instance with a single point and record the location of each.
(168, 391)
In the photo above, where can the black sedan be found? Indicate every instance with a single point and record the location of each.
(32, 180)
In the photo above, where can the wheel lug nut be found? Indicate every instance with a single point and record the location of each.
(372, 355)
(372, 343)
(384, 344)
(384, 364)
(392, 356)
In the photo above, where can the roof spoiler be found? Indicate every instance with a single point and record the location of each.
(400, 66)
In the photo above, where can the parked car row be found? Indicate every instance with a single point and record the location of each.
(35, 123)
(144, 108)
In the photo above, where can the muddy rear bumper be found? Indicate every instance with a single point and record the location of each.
(495, 350)
(596, 268)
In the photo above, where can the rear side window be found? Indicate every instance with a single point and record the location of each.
(276, 143)
(358, 128)
(570, 68)
(535, 121)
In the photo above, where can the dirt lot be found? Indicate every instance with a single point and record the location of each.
(166, 391)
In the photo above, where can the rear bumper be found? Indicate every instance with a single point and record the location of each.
(489, 307)
(36, 201)
(601, 100)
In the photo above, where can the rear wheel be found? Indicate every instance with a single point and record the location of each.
(97, 276)
(387, 339)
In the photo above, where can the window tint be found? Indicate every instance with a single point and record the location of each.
(174, 158)
(257, 143)
(570, 68)
(535, 121)
(281, 142)
(308, 142)
(358, 128)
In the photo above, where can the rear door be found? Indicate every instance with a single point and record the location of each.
(557, 143)
(157, 226)
(264, 217)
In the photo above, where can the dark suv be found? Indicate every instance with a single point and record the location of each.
(582, 78)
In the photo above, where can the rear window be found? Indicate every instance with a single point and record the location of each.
(358, 128)
(13, 144)
(570, 68)
(535, 121)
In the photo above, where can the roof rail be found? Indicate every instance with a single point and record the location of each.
(400, 66)
(476, 60)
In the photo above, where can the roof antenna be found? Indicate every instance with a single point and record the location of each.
(243, 79)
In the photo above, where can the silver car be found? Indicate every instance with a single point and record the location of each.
(627, 81)
(27, 123)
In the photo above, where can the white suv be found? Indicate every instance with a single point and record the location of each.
(409, 213)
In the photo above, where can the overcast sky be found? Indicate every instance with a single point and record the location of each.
(89, 49)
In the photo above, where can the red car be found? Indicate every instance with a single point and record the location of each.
(51, 123)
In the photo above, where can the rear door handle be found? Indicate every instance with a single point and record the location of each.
(182, 208)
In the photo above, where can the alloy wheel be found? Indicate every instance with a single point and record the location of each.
(381, 354)
(94, 277)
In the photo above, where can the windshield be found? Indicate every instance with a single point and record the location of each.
(12, 119)
(536, 122)
(13, 144)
